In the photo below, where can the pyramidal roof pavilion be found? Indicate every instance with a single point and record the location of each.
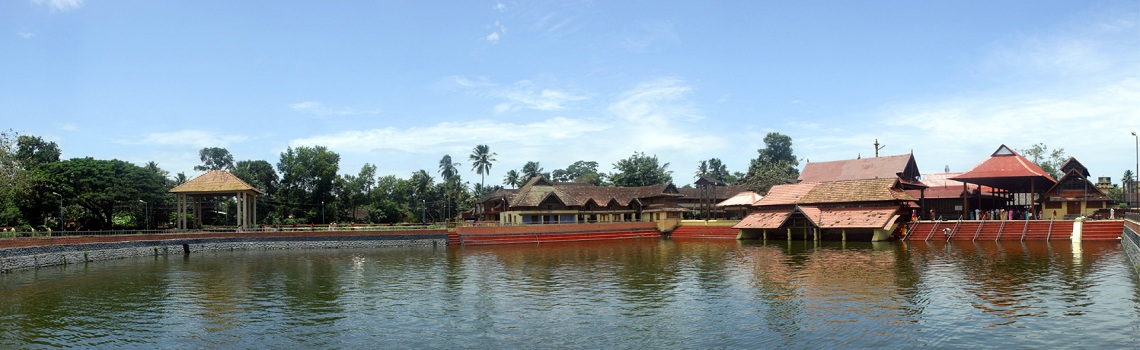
(1008, 170)
(216, 183)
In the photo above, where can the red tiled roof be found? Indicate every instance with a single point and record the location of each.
(1008, 170)
(879, 218)
(764, 220)
(855, 169)
(786, 194)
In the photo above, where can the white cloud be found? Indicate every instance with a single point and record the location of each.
(60, 5)
(492, 38)
(187, 138)
(69, 127)
(26, 34)
(319, 109)
(520, 95)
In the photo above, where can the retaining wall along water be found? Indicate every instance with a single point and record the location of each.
(61, 254)
(1130, 240)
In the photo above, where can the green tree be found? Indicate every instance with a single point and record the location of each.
(641, 170)
(390, 199)
(531, 170)
(481, 159)
(775, 164)
(308, 177)
(101, 187)
(215, 158)
(714, 168)
(448, 168)
(512, 178)
(1049, 160)
(14, 180)
(581, 171)
(259, 174)
(34, 151)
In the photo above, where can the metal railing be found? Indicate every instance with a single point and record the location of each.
(8, 234)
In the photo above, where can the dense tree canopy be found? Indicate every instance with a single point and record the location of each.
(99, 185)
(308, 175)
(581, 171)
(714, 168)
(775, 164)
(531, 170)
(215, 158)
(641, 170)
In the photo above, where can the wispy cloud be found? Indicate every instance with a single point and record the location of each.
(647, 35)
(430, 139)
(184, 138)
(60, 5)
(69, 127)
(319, 109)
(523, 94)
(26, 34)
(498, 30)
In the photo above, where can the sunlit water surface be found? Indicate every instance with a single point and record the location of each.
(639, 294)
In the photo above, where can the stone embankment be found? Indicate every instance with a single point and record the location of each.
(1131, 240)
(22, 253)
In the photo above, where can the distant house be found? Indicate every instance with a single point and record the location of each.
(541, 201)
(1073, 195)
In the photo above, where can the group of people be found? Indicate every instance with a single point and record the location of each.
(1004, 214)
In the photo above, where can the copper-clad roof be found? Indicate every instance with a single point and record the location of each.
(901, 166)
(764, 220)
(1008, 170)
(214, 181)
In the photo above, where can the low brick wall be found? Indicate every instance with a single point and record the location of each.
(1130, 240)
(96, 248)
(557, 228)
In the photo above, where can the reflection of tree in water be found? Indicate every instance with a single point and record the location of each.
(776, 288)
(88, 304)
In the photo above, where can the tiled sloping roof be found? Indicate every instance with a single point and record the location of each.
(535, 191)
(745, 198)
(854, 169)
(1070, 188)
(764, 220)
(866, 190)
(506, 193)
(1006, 169)
(214, 181)
(786, 194)
(1071, 164)
(851, 217)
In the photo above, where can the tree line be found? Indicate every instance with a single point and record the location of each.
(40, 191)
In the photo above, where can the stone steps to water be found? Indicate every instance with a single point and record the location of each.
(1014, 230)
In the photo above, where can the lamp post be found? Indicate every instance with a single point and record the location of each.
(1136, 193)
(146, 210)
(61, 227)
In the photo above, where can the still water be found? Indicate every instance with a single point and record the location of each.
(638, 294)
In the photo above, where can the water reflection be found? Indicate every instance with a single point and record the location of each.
(628, 294)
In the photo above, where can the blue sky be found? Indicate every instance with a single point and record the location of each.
(401, 83)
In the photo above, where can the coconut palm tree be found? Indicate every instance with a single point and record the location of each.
(447, 168)
(512, 178)
(481, 159)
(531, 170)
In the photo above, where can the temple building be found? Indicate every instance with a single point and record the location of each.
(700, 202)
(860, 199)
(541, 201)
(1008, 175)
(1073, 195)
(943, 197)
